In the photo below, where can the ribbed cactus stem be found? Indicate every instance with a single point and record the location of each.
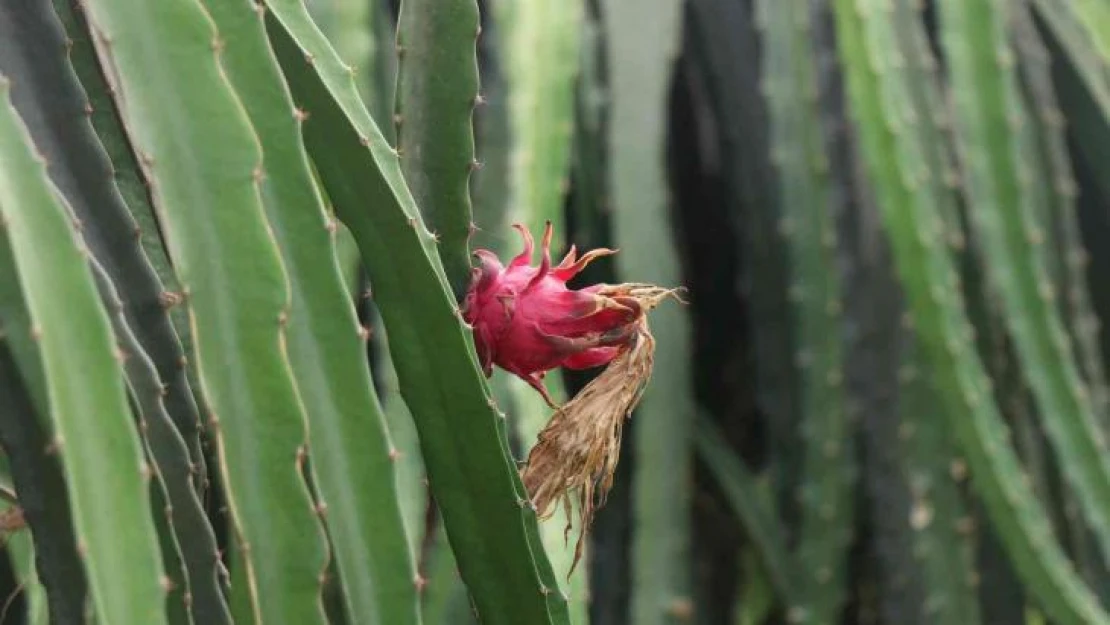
(940, 524)
(540, 48)
(1095, 16)
(26, 572)
(808, 230)
(642, 41)
(98, 173)
(352, 461)
(1050, 168)
(210, 207)
(485, 508)
(102, 458)
(1086, 72)
(894, 157)
(991, 120)
(34, 464)
(188, 540)
(437, 90)
(538, 41)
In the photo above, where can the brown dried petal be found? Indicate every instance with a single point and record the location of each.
(578, 450)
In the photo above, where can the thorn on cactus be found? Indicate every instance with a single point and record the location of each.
(526, 321)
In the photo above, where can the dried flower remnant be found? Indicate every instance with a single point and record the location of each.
(527, 322)
(579, 448)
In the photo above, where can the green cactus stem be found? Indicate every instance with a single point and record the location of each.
(485, 509)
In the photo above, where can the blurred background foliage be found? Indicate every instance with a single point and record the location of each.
(798, 462)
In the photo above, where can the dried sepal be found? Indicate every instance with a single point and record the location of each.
(576, 454)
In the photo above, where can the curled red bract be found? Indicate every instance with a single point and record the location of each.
(527, 321)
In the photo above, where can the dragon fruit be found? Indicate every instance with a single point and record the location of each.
(528, 322)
